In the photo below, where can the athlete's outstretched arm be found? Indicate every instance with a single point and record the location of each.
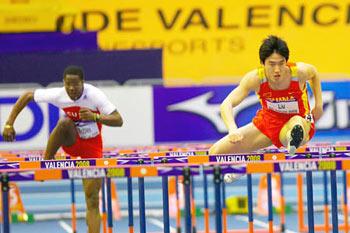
(9, 132)
(312, 76)
(250, 82)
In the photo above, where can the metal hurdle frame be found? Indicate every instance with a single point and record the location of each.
(164, 165)
(326, 227)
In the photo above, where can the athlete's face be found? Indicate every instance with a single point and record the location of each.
(276, 68)
(74, 86)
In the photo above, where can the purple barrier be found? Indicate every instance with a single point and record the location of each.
(47, 41)
(47, 67)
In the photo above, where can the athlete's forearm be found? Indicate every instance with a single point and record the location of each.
(227, 117)
(235, 98)
(21, 103)
(113, 119)
(315, 84)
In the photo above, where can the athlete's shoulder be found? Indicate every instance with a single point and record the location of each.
(305, 70)
(91, 89)
(94, 93)
(251, 80)
(48, 94)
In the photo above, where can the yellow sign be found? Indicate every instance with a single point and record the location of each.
(206, 41)
(31, 15)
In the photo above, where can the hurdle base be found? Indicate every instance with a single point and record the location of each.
(321, 227)
(239, 231)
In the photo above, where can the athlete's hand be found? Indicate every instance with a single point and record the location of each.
(9, 133)
(86, 114)
(317, 112)
(235, 137)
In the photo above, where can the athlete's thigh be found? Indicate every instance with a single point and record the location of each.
(92, 186)
(252, 140)
(66, 131)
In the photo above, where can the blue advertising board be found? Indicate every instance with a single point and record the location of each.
(193, 113)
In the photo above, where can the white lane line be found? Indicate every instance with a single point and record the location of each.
(160, 224)
(65, 226)
(259, 223)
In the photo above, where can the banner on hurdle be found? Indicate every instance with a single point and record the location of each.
(173, 165)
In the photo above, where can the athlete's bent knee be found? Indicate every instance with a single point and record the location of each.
(92, 202)
(214, 149)
(65, 124)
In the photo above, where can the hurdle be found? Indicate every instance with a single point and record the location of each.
(187, 166)
(326, 227)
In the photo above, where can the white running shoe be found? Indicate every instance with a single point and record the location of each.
(231, 177)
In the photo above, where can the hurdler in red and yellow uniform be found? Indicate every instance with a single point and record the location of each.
(285, 118)
(278, 106)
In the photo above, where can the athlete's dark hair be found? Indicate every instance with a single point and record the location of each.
(273, 44)
(75, 70)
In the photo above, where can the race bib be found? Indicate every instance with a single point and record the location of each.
(87, 129)
(288, 107)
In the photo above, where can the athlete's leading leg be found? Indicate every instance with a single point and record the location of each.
(252, 140)
(295, 133)
(64, 134)
(93, 218)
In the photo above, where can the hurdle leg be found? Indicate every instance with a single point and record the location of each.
(334, 201)
(178, 214)
(217, 183)
(283, 206)
(109, 206)
(5, 203)
(250, 203)
(193, 206)
(299, 181)
(73, 206)
(104, 209)
(269, 202)
(130, 205)
(187, 192)
(345, 197)
(326, 210)
(224, 211)
(310, 202)
(142, 208)
(206, 206)
(165, 204)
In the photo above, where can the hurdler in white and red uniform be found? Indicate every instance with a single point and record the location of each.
(79, 133)
(89, 140)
